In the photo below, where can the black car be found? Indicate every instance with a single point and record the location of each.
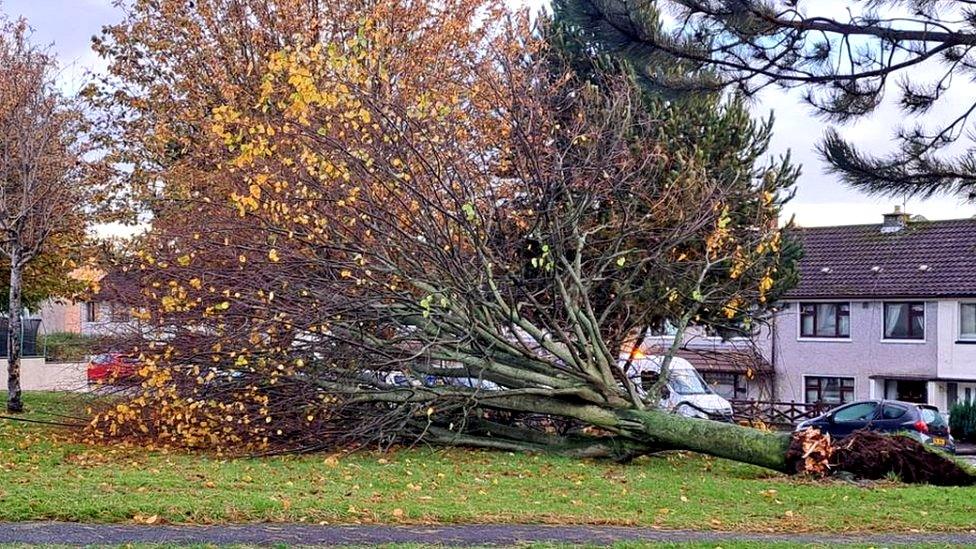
(922, 421)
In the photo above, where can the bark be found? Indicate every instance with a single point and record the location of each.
(14, 398)
(628, 433)
(725, 440)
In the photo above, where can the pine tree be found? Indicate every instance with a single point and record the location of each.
(698, 128)
(845, 63)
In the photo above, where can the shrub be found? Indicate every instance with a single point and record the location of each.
(962, 421)
(66, 346)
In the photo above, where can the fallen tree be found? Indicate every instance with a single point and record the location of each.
(465, 248)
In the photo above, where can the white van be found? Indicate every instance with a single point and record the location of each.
(685, 392)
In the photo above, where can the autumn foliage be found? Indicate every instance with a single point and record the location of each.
(49, 189)
(398, 221)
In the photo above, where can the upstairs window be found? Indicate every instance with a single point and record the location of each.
(825, 320)
(904, 321)
(967, 321)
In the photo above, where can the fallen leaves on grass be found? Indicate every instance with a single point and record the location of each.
(146, 519)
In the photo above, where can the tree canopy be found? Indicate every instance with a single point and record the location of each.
(47, 186)
(845, 61)
(416, 221)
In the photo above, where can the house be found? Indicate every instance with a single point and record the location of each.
(881, 311)
(105, 311)
(736, 368)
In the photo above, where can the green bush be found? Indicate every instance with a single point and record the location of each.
(962, 421)
(65, 346)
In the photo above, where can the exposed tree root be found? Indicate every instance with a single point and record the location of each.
(872, 455)
(810, 453)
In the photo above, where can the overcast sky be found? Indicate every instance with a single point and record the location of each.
(69, 25)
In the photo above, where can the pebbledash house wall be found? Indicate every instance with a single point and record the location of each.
(864, 354)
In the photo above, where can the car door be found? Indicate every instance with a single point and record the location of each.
(850, 418)
(894, 417)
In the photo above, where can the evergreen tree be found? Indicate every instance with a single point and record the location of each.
(697, 129)
(845, 61)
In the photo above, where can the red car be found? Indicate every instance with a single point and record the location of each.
(112, 368)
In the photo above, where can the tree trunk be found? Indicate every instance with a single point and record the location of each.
(725, 440)
(15, 403)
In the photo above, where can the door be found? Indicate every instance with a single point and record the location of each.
(894, 417)
(912, 391)
(852, 417)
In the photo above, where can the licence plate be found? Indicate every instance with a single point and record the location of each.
(938, 441)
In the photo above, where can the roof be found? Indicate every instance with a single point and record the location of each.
(737, 362)
(723, 360)
(924, 259)
(117, 285)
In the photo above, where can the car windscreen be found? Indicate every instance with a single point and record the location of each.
(688, 382)
(931, 416)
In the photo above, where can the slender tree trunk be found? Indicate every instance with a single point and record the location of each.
(15, 403)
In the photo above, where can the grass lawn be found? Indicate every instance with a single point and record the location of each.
(43, 476)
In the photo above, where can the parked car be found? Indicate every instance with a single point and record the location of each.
(112, 368)
(921, 421)
(685, 392)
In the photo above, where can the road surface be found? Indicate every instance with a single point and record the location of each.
(457, 535)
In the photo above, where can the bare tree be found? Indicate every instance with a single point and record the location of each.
(42, 192)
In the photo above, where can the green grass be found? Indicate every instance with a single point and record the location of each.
(43, 476)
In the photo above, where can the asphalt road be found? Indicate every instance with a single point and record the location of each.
(458, 535)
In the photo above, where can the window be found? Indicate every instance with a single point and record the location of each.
(862, 411)
(727, 385)
(832, 390)
(893, 411)
(825, 320)
(931, 416)
(904, 321)
(967, 321)
(91, 310)
(738, 329)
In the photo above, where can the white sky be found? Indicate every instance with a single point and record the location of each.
(821, 200)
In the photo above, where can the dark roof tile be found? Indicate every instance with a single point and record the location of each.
(861, 261)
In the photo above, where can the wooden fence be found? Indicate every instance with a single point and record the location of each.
(782, 414)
